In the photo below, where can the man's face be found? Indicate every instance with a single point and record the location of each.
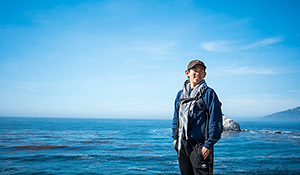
(196, 74)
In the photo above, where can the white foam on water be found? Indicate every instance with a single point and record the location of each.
(253, 132)
(296, 137)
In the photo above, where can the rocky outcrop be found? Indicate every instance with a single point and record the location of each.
(230, 125)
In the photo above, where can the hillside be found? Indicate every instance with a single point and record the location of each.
(288, 115)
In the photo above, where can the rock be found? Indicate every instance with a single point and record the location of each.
(230, 125)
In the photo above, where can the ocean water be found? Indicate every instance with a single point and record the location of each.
(132, 146)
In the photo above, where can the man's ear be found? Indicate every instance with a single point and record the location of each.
(187, 73)
(204, 74)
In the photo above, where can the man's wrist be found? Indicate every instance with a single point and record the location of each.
(207, 146)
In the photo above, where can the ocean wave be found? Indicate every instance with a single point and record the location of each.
(37, 147)
(146, 170)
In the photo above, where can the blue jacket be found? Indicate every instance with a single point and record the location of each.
(196, 123)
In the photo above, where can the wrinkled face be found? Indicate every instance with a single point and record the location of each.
(196, 74)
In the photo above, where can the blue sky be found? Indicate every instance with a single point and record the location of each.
(127, 58)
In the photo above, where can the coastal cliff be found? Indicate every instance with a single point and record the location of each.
(292, 114)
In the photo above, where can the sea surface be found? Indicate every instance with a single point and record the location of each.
(137, 146)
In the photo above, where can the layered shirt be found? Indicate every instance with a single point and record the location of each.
(196, 122)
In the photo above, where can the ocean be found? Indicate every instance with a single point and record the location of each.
(137, 146)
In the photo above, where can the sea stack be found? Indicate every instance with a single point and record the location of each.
(230, 125)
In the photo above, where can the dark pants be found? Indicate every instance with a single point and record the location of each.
(191, 160)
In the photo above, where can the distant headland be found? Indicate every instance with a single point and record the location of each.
(287, 115)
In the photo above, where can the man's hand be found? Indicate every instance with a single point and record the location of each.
(175, 141)
(205, 152)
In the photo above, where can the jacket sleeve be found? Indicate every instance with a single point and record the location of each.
(215, 126)
(176, 113)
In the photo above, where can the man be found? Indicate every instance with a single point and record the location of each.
(189, 136)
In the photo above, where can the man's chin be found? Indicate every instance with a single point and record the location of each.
(197, 81)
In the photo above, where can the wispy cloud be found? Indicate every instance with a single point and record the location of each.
(264, 42)
(294, 91)
(248, 70)
(216, 46)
